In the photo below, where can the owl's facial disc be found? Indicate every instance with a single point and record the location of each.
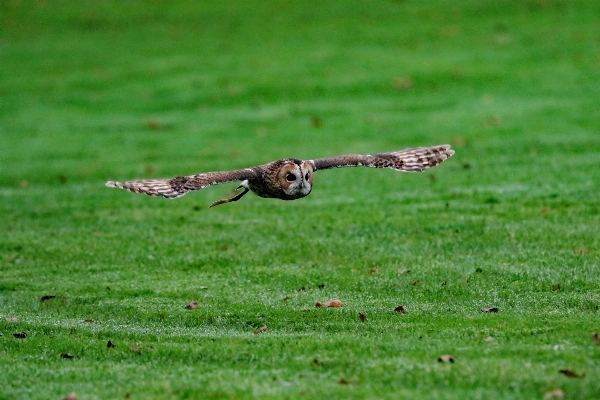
(296, 179)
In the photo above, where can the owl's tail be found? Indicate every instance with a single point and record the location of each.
(168, 188)
(413, 160)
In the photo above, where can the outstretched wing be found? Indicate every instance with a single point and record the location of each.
(176, 187)
(409, 160)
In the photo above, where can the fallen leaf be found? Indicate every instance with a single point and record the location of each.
(286, 298)
(192, 306)
(555, 394)
(416, 282)
(556, 286)
(20, 335)
(261, 330)
(343, 382)
(446, 358)
(71, 396)
(67, 356)
(490, 310)
(403, 271)
(110, 345)
(402, 83)
(400, 309)
(71, 331)
(11, 319)
(373, 271)
(46, 298)
(362, 317)
(89, 321)
(152, 123)
(571, 374)
(330, 303)
(581, 251)
(595, 338)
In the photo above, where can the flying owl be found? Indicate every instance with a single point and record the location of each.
(288, 178)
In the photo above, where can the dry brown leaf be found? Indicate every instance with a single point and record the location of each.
(343, 382)
(416, 282)
(581, 251)
(400, 309)
(373, 271)
(446, 358)
(71, 396)
(67, 356)
(153, 123)
(362, 317)
(331, 303)
(403, 271)
(192, 306)
(401, 83)
(110, 345)
(286, 298)
(89, 321)
(46, 298)
(595, 338)
(555, 394)
(490, 310)
(20, 335)
(261, 330)
(71, 331)
(556, 286)
(571, 374)
(11, 319)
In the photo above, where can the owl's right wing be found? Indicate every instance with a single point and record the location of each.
(172, 188)
(409, 160)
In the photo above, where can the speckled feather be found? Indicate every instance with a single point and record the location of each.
(288, 178)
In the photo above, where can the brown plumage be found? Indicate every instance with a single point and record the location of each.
(288, 178)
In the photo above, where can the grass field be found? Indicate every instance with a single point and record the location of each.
(110, 90)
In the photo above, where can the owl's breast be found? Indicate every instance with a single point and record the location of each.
(273, 190)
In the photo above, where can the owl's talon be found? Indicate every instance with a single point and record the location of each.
(234, 198)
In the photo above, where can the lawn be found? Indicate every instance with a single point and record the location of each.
(118, 90)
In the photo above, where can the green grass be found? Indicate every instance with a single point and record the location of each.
(123, 90)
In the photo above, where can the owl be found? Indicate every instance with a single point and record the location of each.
(288, 178)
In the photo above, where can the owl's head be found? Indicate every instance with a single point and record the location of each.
(296, 178)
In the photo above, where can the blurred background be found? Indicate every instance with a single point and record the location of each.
(130, 89)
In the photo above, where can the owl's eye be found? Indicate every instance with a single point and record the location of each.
(306, 176)
(290, 177)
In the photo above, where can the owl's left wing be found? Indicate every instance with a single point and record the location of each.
(410, 160)
(172, 188)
